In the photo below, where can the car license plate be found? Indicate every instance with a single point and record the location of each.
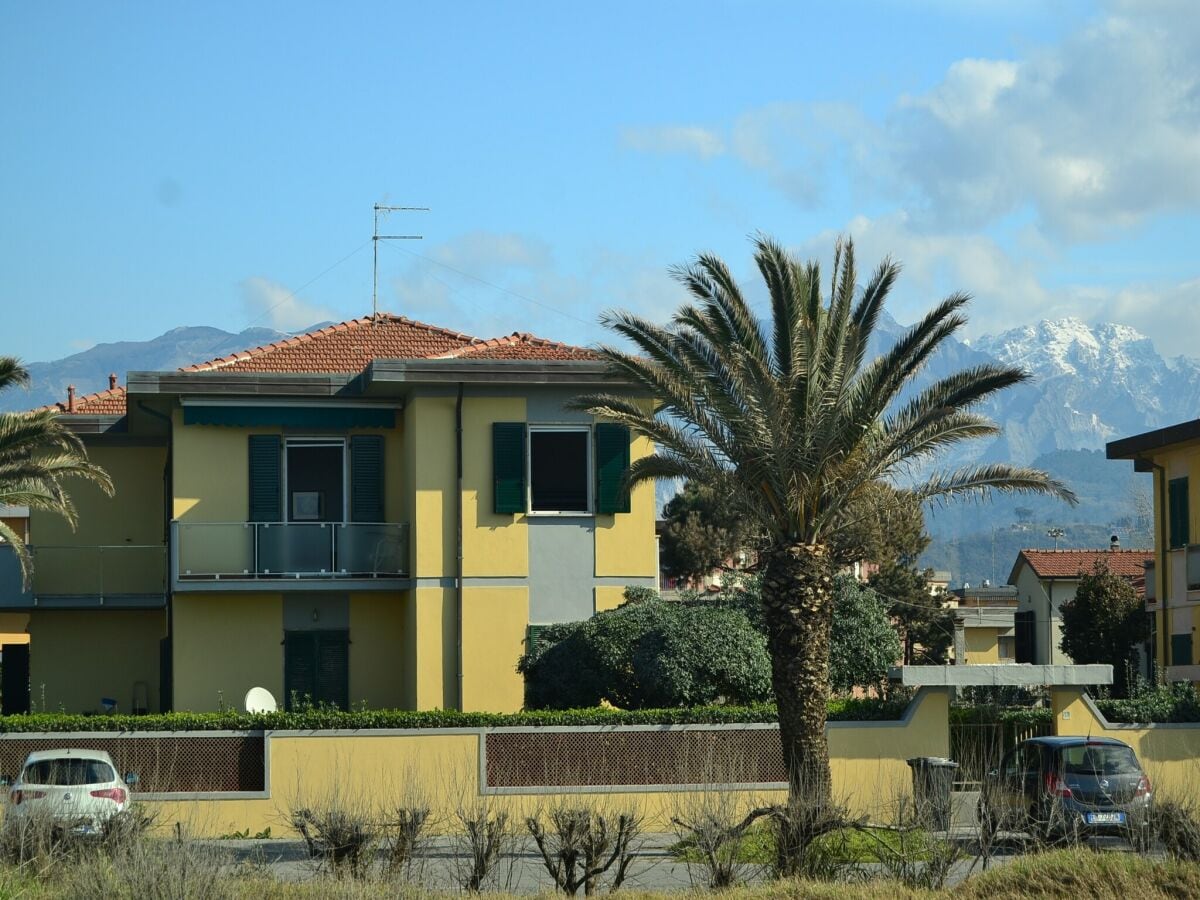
(1105, 818)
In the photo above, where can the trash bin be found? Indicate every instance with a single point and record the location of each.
(933, 781)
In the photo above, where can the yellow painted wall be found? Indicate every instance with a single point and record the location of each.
(78, 657)
(608, 597)
(493, 545)
(625, 542)
(983, 645)
(431, 643)
(225, 644)
(494, 621)
(429, 466)
(1169, 754)
(867, 763)
(1179, 461)
(129, 526)
(377, 650)
(212, 473)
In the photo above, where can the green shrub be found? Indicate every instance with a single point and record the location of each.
(651, 654)
(1176, 702)
(323, 719)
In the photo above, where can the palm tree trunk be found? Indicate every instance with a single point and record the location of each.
(798, 607)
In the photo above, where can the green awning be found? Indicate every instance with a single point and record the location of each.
(291, 416)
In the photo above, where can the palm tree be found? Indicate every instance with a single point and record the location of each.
(37, 454)
(797, 426)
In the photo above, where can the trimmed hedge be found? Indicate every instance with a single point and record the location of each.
(1177, 702)
(324, 719)
(1020, 717)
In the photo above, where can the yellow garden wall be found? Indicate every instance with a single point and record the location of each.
(867, 762)
(1169, 753)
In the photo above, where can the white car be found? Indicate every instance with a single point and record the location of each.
(77, 788)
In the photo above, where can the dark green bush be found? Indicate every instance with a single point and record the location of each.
(650, 654)
(321, 719)
(1176, 702)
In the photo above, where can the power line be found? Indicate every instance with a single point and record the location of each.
(496, 287)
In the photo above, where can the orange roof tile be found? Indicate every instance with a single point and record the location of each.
(1069, 563)
(520, 345)
(349, 347)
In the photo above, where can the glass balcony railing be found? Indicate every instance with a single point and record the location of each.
(119, 571)
(302, 550)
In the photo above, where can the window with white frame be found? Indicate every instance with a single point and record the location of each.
(560, 469)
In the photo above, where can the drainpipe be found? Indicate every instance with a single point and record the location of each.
(166, 703)
(458, 579)
(1160, 551)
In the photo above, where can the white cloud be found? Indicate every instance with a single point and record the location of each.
(685, 139)
(1096, 134)
(272, 304)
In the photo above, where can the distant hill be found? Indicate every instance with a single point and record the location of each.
(89, 370)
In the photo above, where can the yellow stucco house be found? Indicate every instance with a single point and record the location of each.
(1172, 579)
(373, 513)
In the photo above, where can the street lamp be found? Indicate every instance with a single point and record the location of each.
(1055, 533)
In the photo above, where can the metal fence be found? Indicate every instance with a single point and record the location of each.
(633, 757)
(184, 763)
(978, 747)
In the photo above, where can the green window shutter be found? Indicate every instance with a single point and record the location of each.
(612, 460)
(1178, 515)
(265, 478)
(333, 668)
(366, 478)
(1181, 649)
(508, 467)
(299, 668)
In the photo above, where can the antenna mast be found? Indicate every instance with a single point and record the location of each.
(387, 237)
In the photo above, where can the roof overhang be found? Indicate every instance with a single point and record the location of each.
(1001, 675)
(1150, 441)
(382, 373)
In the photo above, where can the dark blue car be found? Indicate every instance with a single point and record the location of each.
(1055, 787)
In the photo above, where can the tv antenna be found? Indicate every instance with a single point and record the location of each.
(379, 208)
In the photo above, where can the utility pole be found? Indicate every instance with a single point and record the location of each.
(387, 237)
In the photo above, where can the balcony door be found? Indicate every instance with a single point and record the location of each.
(315, 480)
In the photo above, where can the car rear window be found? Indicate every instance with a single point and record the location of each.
(1099, 759)
(68, 772)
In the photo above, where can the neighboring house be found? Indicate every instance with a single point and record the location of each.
(1045, 580)
(983, 624)
(1172, 578)
(372, 513)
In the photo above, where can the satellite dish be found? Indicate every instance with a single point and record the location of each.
(260, 700)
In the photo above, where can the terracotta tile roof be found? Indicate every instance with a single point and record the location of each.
(103, 403)
(1069, 563)
(348, 348)
(520, 345)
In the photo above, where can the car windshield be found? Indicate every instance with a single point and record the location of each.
(67, 772)
(1099, 759)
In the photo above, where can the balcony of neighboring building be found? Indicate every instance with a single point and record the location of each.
(115, 576)
(277, 555)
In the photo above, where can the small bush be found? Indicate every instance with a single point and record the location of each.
(1176, 702)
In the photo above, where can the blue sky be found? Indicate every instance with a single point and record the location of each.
(216, 164)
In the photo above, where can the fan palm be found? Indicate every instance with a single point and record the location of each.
(798, 427)
(37, 455)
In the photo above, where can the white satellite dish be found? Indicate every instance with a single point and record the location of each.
(260, 700)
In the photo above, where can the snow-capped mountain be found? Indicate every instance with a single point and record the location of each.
(1092, 384)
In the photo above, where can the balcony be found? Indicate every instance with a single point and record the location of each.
(284, 555)
(120, 576)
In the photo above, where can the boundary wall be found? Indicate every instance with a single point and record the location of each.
(656, 769)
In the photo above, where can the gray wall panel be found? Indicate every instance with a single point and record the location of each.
(562, 558)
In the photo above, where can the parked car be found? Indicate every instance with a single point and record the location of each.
(78, 789)
(1053, 787)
